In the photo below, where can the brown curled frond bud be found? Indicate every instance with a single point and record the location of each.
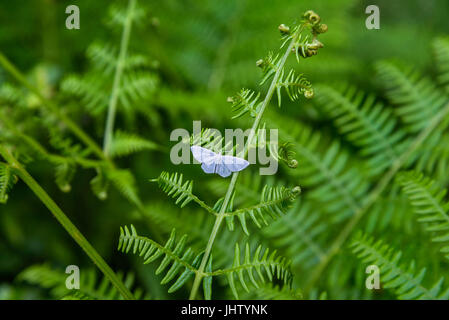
(295, 192)
(313, 18)
(293, 164)
(322, 28)
(308, 94)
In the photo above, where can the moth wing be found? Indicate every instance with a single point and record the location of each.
(222, 170)
(234, 164)
(202, 154)
(209, 167)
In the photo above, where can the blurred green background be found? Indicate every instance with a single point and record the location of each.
(202, 52)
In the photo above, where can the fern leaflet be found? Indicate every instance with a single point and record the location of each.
(402, 279)
(7, 180)
(428, 201)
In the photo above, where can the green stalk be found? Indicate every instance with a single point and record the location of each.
(66, 223)
(112, 107)
(219, 219)
(372, 197)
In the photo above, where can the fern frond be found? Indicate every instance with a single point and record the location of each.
(209, 139)
(418, 98)
(90, 89)
(297, 233)
(104, 57)
(125, 144)
(274, 202)
(335, 182)
(125, 183)
(270, 291)
(441, 52)
(249, 187)
(65, 144)
(263, 261)
(402, 279)
(365, 122)
(168, 218)
(392, 212)
(64, 173)
(91, 286)
(180, 190)
(295, 85)
(434, 157)
(77, 296)
(46, 277)
(427, 199)
(175, 255)
(118, 15)
(269, 66)
(245, 101)
(136, 86)
(7, 180)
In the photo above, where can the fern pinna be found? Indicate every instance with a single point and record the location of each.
(302, 41)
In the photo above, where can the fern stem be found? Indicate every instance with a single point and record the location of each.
(219, 219)
(372, 197)
(72, 126)
(112, 107)
(66, 223)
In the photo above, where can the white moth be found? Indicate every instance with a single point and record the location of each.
(212, 162)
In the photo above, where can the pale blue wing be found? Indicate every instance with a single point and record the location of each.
(202, 154)
(209, 167)
(212, 162)
(234, 164)
(222, 170)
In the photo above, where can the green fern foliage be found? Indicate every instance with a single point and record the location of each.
(174, 185)
(298, 234)
(125, 144)
(182, 262)
(274, 202)
(404, 280)
(91, 286)
(365, 122)
(417, 97)
(7, 180)
(262, 262)
(295, 85)
(245, 101)
(441, 52)
(428, 201)
(274, 292)
(64, 173)
(124, 182)
(328, 172)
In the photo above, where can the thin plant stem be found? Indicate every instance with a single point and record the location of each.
(219, 218)
(71, 229)
(112, 107)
